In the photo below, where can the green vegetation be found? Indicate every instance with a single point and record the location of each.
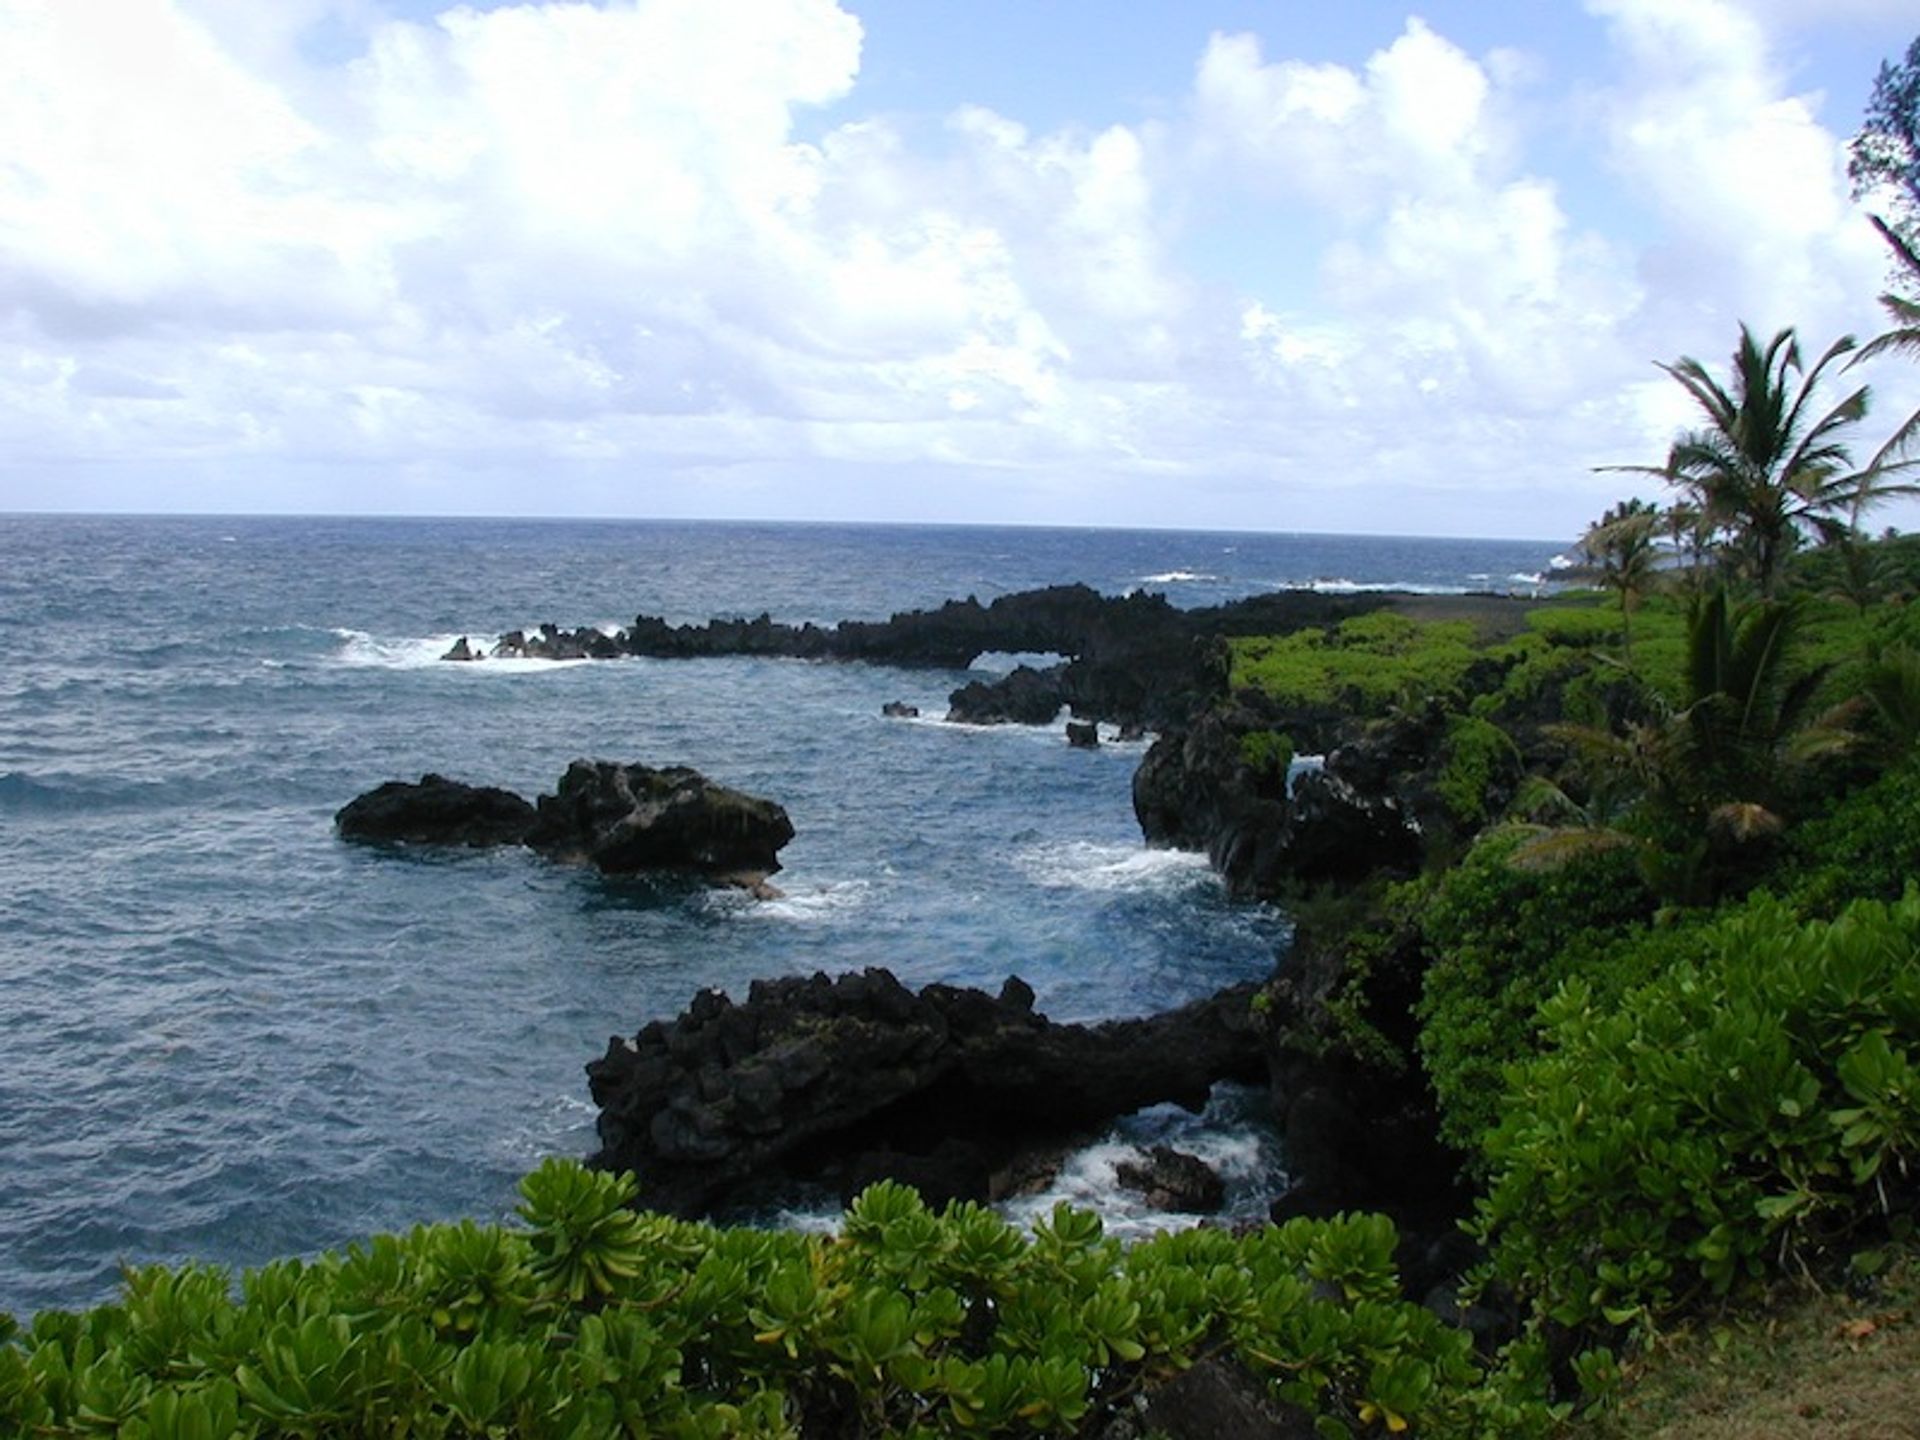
(1477, 751)
(1502, 939)
(1368, 661)
(596, 1321)
(1268, 754)
(1756, 1108)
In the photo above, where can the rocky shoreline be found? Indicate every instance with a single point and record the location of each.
(1132, 661)
(851, 1079)
(843, 1081)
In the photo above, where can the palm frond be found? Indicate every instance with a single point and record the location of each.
(1554, 848)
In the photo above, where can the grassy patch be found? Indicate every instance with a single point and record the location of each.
(1808, 1366)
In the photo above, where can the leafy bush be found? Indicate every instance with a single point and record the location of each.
(1761, 1103)
(1583, 626)
(1268, 754)
(1478, 753)
(601, 1322)
(1866, 847)
(1502, 940)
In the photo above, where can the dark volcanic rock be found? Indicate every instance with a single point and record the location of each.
(1025, 697)
(1204, 788)
(900, 710)
(858, 1077)
(623, 818)
(618, 818)
(1360, 1133)
(1171, 1179)
(1131, 660)
(1083, 734)
(1218, 1399)
(437, 811)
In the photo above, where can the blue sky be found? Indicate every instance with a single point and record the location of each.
(1270, 266)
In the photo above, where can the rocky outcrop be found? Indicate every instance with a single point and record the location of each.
(437, 811)
(833, 1079)
(1356, 1115)
(1024, 697)
(1083, 735)
(624, 818)
(1222, 785)
(618, 818)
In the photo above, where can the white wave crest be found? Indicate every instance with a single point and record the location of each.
(1113, 869)
(1051, 731)
(1177, 577)
(1005, 662)
(416, 652)
(810, 904)
(1339, 585)
(1244, 1155)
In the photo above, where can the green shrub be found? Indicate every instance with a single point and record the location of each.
(1501, 940)
(1579, 626)
(598, 1322)
(1478, 754)
(1866, 847)
(1749, 1108)
(1268, 754)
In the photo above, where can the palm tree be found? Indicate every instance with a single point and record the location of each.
(1902, 339)
(1709, 775)
(1763, 469)
(1620, 547)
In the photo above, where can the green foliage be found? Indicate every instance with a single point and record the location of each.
(600, 1322)
(1478, 753)
(1861, 572)
(1268, 754)
(1866, 847)
(1502, 940)
(1369, 661)
(1759, 1101)
(1884, 158)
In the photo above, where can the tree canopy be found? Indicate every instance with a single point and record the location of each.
(1885, 156)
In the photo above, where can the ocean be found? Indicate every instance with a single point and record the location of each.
(230, 1037)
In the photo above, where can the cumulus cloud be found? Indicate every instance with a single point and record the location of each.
(656, 253)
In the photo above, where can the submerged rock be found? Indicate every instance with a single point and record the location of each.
(437, 811)
(1171, 1179)
(852, 1079)
(900, 710)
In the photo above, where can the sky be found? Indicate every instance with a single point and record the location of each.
(1277, 266)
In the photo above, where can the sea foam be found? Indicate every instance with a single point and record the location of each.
(1085, 865)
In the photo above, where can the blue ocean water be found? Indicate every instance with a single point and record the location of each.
(229, 1036)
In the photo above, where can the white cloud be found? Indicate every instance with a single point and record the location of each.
(598, 242)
